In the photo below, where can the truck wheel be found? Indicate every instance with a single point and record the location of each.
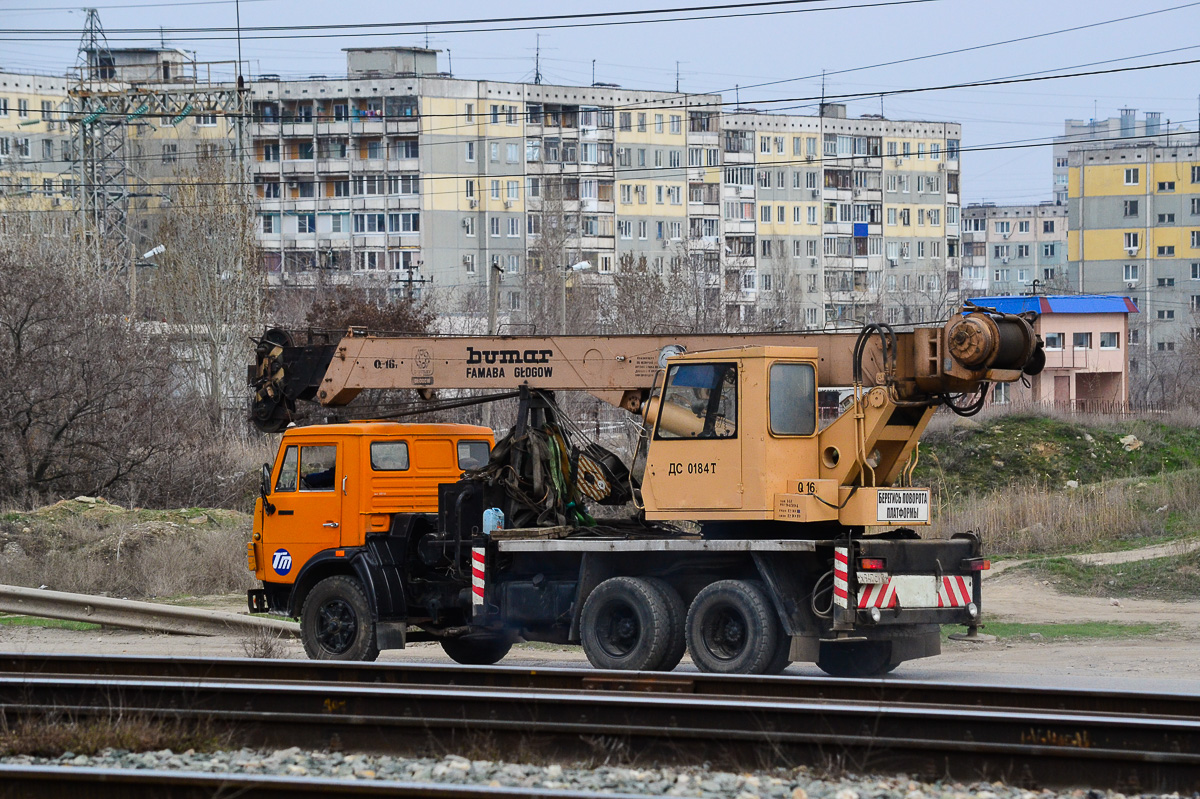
(677, 618)
(477, 650)
(732, 629)
(625, 625)
(782, 659)
(336, 623)
(859, 659)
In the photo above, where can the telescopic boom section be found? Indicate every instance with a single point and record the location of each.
(916, 366)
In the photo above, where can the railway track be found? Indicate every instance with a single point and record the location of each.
(1036, 737)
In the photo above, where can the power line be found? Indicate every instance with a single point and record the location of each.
(614, 17)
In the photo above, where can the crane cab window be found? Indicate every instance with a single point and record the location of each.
(472, 454)
(389, 456)
(699, 400)
(318, 468)
(793, 398)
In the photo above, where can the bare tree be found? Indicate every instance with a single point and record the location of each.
(210, 284)
(86, 403)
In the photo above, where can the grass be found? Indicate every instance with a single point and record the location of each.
(1175, 578)
(1046, 449)
(53, 734)
(1074, 631)
(1114, 514)
(57, 624)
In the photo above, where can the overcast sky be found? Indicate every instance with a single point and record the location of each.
(716, 55)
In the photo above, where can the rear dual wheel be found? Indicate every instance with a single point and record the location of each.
(732, 628)
(633, 623)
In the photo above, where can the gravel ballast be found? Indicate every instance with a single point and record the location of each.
(798, 783)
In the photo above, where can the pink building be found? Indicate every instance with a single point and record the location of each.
(1087, 363)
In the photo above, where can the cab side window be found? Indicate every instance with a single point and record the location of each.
(318, 468)
(472, 454)
(793, 399)
(287, 472)
(389, 456)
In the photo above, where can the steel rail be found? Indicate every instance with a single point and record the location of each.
(55, 782)
(1033, 747)
(889, 689)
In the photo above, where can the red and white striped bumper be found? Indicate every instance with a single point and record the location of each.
(916, 591)
(478, 573)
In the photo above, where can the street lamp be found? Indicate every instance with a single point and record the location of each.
(579, 267)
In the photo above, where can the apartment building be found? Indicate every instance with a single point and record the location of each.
(1013, 249)
(1100, 133)
(830, 220)
(35, 141)
(1134, 230)
(403, 176)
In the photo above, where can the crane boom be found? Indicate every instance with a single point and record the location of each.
(916, 364)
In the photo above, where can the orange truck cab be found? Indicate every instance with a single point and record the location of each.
(339, 497)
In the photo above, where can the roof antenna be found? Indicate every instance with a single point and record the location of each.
(426, 37)
(677, 77)
(537, 60)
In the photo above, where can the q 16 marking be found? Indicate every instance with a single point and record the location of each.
(692, 468)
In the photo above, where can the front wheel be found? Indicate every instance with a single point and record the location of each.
(477, 650)
(336, 624)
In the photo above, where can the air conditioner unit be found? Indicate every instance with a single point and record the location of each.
(816, 192)
(809, 157)
(467, 260)
(899, 161)
(1003, 260)
(508, 203)
(466, 223)
(1131, 284)
(1007, 235)
(473, 203)
(858, 192)
(1132, 250)
(293, 184)
(891, 261)
(941, 166)
(812, 259)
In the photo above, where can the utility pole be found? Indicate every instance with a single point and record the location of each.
(494, 273)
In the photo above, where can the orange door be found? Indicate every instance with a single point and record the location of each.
(307, 496)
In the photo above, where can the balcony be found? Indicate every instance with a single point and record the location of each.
(408, 125)
(333, 165)
(298, 167)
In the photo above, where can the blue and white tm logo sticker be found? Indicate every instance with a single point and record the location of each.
(281, 562)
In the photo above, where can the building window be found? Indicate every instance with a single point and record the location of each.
(1048, 226)
(468, 224)
(1195, 239)
(1166, 185)
(1054, 341)
(494, 226)
(1004, 228)
(1000, 395)
(469, 150)
(469, 262)
(1131, 273)
(1131, 208)
(1132, 241)
(269, 223)
(1110, 341)
(1048, 250)
(1131, 176)
(1166, 251)
(306, 223)
(1195, 271)
(1023, 226)
(1081, 341)
(1164, 282)
(1166, 219)
(1022, 250)
(1166, 315)
(22, 108)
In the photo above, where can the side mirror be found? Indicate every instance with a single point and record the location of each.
(264, 488)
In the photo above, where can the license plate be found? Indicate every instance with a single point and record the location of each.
(896, 506)
(869, 578)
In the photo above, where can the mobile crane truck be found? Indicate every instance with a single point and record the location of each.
(760, 537)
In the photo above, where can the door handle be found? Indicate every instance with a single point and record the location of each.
(343, 486)
(330, 524)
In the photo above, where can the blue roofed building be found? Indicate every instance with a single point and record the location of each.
(1087, 359)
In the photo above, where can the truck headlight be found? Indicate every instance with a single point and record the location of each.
(973, 609)
(875, 615)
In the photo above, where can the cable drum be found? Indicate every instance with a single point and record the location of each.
(982, 341)
(1015, 345)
